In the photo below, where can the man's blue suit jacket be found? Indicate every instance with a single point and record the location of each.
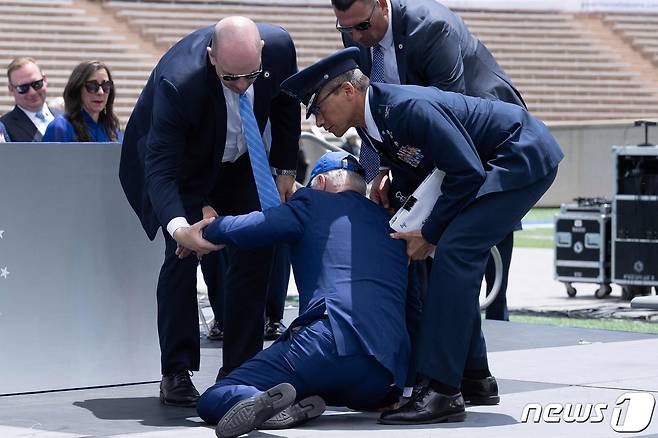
(345, 265)
(433, 47)
(483, 146)
(175, 138)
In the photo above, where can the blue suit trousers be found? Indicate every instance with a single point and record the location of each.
(306, 358)
(451, 338)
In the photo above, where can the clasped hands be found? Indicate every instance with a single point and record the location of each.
(190, 239)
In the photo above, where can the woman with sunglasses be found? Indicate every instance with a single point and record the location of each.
(88, 104)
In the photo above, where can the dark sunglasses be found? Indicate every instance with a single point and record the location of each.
(252, 75)
(364, 25)
(24, 88)
(94, 86)
(314, 108)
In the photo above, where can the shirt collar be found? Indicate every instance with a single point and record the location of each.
(371, 126)
(44, 110)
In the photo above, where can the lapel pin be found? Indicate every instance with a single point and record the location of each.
(266, 74)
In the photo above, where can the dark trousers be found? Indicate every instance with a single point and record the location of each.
(214, 274)
(214, 267)
(498, 308)
(306, 358)
(245, 285)
(277, 289)
(451, 338)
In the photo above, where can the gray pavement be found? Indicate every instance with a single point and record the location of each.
(553, 367)
(534, 364)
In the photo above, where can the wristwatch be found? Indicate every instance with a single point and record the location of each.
(278, 172)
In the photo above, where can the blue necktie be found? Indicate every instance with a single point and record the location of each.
(369, 157)
(260, 166)
(41, 116)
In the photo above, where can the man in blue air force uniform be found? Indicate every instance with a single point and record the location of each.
(349, 344)
(185, 156)
(422, 42)
(498, 161)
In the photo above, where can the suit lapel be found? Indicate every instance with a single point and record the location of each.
(400, 37)
(219, 108)
(262, 88)
(23, 124)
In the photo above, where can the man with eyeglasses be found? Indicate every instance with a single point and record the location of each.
(498, 160)
(28, 121)
(187, 155)
(422, 42)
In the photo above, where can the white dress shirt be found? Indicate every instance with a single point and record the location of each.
(391, 74)
(235, 142)
(371, 127)
(40, 124)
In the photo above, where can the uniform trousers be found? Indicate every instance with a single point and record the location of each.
(451, 338)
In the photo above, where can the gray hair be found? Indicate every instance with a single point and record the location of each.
(355, 77)
(344, 180)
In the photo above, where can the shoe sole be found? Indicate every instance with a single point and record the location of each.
(490, 400)
(299, 413)
(451, 418)
(166, 402)
(254, 411)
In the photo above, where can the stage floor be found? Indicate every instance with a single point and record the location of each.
(533, 363)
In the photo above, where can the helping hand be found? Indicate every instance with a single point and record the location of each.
(380, 188)
(417, 247)
(285, 184)
(190, 239)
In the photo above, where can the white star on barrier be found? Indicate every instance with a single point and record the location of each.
(4, 273)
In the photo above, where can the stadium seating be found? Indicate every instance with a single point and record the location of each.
(564, 71)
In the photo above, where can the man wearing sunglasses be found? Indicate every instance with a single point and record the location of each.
(186, 156)
(422, 42)
(28, 120)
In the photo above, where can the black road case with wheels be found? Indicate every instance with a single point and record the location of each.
(582, 245)
(635, 219)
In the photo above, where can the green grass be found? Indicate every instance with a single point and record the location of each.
(602, 324)
(536, 237)
(541, 213)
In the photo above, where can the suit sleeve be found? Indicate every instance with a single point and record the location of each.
(452, 151)
(285, 115)
(284, 223)
(164, 153)
(442, 61)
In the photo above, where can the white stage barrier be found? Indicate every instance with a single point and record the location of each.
(77, 273)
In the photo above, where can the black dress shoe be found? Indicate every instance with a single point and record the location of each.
(427, 406)
(177, 389)
(274, 329)
(216, 332)
(480, 391)
(251, 412)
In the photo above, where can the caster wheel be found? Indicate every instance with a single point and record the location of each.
(603, 291)
(627, 293)
(571, 291)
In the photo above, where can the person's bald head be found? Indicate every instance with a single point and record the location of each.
(236, 50)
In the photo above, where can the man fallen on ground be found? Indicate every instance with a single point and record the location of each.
(349, 346)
